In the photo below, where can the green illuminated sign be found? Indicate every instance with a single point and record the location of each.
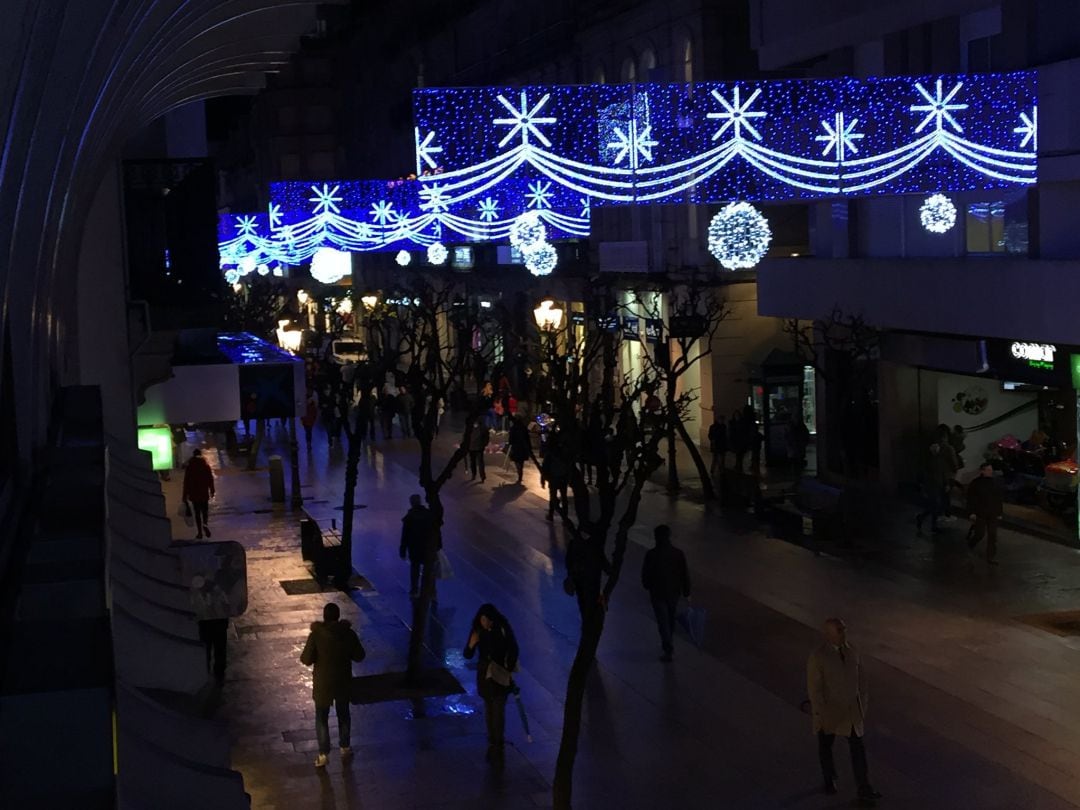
(158, 442)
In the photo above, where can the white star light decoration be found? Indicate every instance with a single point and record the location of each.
(524, 120)
(437, 253)
(434, 197)
(586, 208)
(383, 212)
(634, 143)
(245, 225)
(736, 114)
(273, 213)
(739, 236)
(539, 194)
(488, 209)
(840, 137)
(938, 108)
(424, 151)
(325, 199)
(1029, 129)
(937, 213)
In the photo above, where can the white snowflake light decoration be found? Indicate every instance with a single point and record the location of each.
(937, 213)
(437, 253)
(528, 231)
(739, 236)
(541, 259)
(403, 258)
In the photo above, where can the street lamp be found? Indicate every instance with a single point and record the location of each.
(548, 316)
(289, 339)
(303, 297)
(369, 301)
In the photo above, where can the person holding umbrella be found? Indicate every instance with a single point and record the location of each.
(492, 635)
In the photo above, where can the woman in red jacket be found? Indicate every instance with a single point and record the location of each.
(198, 490)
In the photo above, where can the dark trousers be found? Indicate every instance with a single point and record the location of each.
(322, 725)
(495, 715)
(557, 499)
(307, 433)
(937, 504)
(718, 461)
(989, 527)
(858, 759)
(214, 634)
(415, 573)
(201, 511)
(520, 466)
(476, 464)
(664, 607)
(388, 425)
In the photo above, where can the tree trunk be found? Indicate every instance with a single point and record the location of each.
(294, 463)
(352, 464)
(673, 485)
(699, 462)
(592, 628)
(253, 448)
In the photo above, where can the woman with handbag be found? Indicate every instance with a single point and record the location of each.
(492, 635)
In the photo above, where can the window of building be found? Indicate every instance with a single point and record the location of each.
(319, 118)
(290, 167)
(629, 70)
(321, 165)
(647, 64)
(687, 61)
(286, 119)
(598, 75)
(463, 257)
(998, 226)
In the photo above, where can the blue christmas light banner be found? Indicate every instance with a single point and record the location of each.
(496, 153)
(749, 140)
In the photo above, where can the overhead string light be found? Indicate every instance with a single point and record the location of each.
(739, 236)
(937, 213)
(558, 150)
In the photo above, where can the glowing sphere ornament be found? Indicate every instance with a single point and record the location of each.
(528, 231)
(542, 259)
(739, 236)
(437, 253)
(937, 213)
(246, 265)
(329, 265)
(403, 258)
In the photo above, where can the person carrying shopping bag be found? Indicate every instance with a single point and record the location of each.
(492, 635)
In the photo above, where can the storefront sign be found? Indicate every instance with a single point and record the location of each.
(630, 328)
(1037, 355)
(654, 330)
(608, 323)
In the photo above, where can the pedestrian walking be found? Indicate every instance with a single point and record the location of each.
(420, 542)
(666, 577)
(555, 475)
(214, 634)
(405, 403)
(387, 407)
(718, 444)
(520, 446)
(198, 490)
(836, 681)
(478, 442)
(939, 473)
(311, 414)
(331, 647)
(985, 508)
(738, 440)
(492, 635)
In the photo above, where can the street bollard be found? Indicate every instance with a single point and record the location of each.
(277, 480)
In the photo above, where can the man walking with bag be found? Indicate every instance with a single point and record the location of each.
(332, 647)
(984, 505)
(198, 490)
(419, 542)
(836, 681)
(665, 576)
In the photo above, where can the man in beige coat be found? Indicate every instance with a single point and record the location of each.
(836, 681)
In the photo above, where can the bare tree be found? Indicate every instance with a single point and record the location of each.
(842, 348)
(598, 529)
(696, 310)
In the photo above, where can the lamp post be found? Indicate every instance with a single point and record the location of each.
(548, 316)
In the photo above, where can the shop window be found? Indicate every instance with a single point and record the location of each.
(321, 164)
(648, 64)
(290, 167)
(809, 399)
(687, 61)
(598, 75)
(463, 257)
(999, 226)
(629, 70)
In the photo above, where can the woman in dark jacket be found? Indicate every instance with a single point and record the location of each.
(520, 446)
(493, 636)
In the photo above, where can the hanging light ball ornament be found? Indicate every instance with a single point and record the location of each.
(403, 258)
(231, 276)
(937, 213)
(528, 231)
(437, 253)
(542, 259)
(739, 236)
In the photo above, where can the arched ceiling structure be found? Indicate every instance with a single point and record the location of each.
(77, 78)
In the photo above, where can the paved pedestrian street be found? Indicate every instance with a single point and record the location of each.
(969, 707)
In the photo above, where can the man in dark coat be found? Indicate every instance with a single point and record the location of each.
(419, 541)
(984, 504)
(520, 449)
(332, 647)
(198, 490)
(665, 576)
(478, 442)
(718, 444)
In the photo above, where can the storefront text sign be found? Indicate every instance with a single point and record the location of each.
(1037, 355)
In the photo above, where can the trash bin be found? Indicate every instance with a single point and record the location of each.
(277, 480)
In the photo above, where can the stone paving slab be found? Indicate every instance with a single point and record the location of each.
(970, 708)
